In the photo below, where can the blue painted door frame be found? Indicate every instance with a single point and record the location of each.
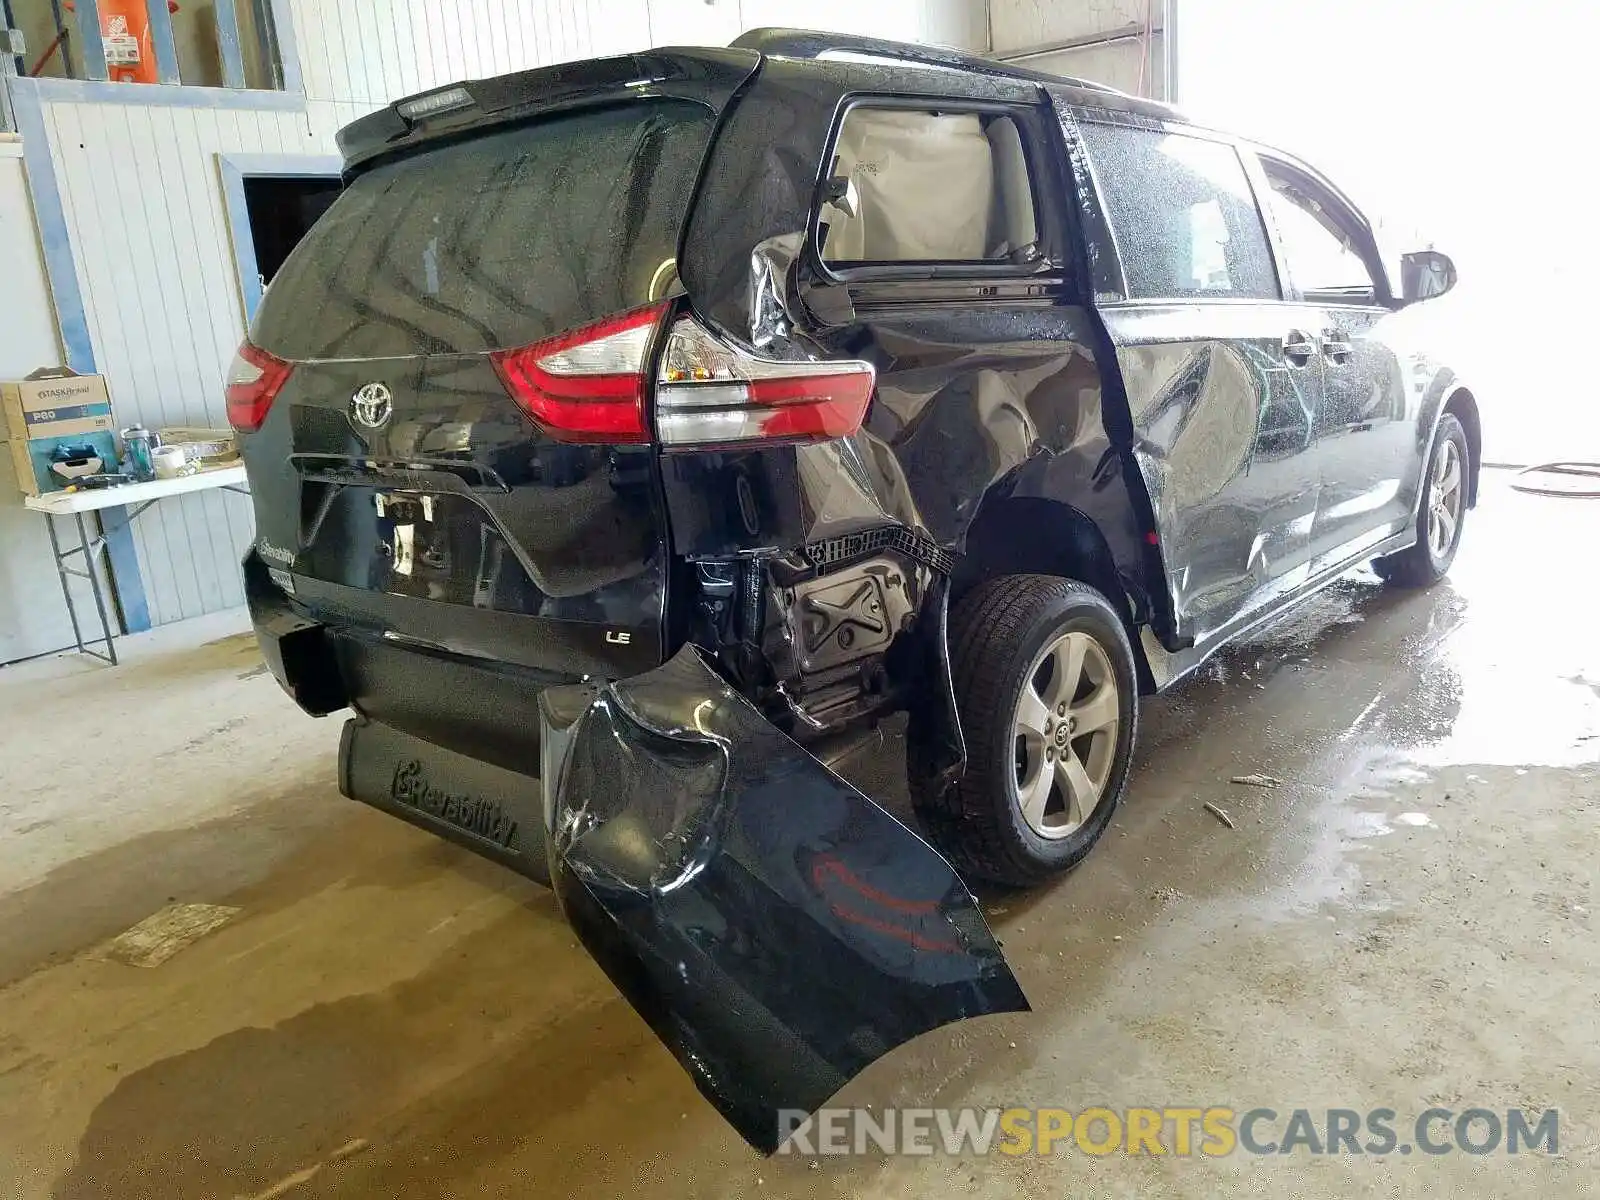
(235, 169)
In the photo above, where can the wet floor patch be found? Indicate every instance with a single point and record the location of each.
(1407, 920)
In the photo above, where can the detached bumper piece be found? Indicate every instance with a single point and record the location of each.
(778, 930)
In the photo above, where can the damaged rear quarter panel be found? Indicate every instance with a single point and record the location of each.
(975, 401)
(778, 930)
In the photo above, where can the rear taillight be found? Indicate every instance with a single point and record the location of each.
(587, 385)
(254, 379)
(711, 393)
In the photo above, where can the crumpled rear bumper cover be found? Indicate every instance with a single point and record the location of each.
(777, 929)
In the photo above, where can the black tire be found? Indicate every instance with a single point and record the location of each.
(1420, 565)
(997, 634)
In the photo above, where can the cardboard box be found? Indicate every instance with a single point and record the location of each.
(51, 409)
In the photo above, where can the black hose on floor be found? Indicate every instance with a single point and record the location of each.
(1579, 470)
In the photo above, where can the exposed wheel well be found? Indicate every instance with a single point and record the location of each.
(1030, 535)
(1464, 407)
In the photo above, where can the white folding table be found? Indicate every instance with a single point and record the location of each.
(136, 497)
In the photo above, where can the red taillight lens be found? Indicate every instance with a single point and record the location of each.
(711, 393)
(254, 379)
(587, 385)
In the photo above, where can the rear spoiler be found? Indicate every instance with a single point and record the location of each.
(705, 74)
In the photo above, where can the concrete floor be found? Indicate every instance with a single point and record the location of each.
(389, 1016)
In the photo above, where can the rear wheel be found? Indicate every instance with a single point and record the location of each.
(1441, 514)
(1045, 686)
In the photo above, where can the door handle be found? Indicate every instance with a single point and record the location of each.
(1298, 347)
(1335, 346)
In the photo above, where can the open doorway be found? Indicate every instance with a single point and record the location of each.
(281, 211)
(1435, 164)
(272, 201)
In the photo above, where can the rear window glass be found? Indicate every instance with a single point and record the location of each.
(494, 242)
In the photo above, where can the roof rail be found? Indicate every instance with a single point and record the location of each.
(812, 43)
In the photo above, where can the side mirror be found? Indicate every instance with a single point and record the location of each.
(1425, 274)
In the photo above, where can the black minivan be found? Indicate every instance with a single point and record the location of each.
(633, 436)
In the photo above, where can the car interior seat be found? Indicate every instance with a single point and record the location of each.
(929, 186)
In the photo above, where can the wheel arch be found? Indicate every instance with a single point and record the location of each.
(1463, 405)
(1036, 535)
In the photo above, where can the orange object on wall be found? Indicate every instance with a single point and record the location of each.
(125, 32)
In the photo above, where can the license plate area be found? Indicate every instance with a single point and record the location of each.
(433, 546)
(408, 519)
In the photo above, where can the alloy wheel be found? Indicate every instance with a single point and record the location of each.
(1445, 494)
(1064, 734)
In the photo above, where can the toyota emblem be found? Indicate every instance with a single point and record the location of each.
(371, 406)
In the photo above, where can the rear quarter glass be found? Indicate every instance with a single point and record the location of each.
(496, 241)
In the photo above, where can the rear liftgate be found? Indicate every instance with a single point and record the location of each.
(777, 929)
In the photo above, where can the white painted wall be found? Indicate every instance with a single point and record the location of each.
(1018, 23)
(962, 24)
(33, 617)
(150, 240)
(1122, 65)
(1129, 66)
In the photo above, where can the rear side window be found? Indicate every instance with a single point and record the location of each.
(494, 242)
(909, 186)
(1184, 216)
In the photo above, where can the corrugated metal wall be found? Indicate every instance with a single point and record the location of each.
(145, 213)
(379, 49)
(32, 617)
